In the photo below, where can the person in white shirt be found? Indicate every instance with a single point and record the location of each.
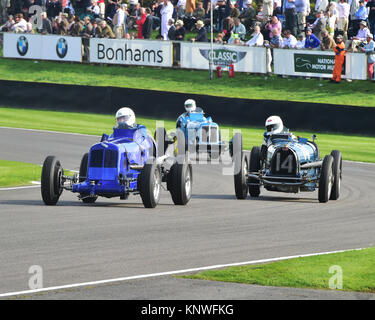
(300, 42)
(361, 37)
(256, 38)
(21, 25)
(118, 22)
(289, 41)
(343, 9)
(181, 6)
(8, 25)
(166, 14)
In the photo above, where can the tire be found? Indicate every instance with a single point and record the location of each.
(337, 174)
(160, 139)
(326, 179)
(83, 168)
(240, 167)
(181, 144)
(51, 181)
(240, 183)
(180, 181)
(149, 184)
(254, 166)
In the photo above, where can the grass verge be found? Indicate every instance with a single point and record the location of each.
(14, 174)
(355, 148)
(358, 273)
(356, 93)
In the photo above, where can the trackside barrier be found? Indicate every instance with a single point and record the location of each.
(245, 59)
(131, 52)
(43, 47)
(186, 55)
(316, 63)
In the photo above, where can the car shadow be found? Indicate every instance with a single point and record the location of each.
(260, 198)
(68, 203)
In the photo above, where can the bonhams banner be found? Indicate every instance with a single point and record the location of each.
(42, 47)
(245, 59)
(317, 63)
(134, 52)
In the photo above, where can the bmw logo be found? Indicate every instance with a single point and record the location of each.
(22, 45)
(61, 48)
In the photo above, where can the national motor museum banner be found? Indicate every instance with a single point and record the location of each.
(42, 47)
(131, 52)
(244, 59)
(316, 63)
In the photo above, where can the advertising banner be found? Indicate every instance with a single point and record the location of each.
(22, 45)
(43, 47)
(131, 52)
(318, 63)
(244, 59)
(62, 48)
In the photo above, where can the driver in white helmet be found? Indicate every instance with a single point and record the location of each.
(274, 125)
(125, 119)
(190, 107)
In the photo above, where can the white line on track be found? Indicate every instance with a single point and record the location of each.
(20, 188)
(168, 273)
(49, 131)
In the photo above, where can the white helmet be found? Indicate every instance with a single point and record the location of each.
(125, 118)
(274, 124)
(190, 105)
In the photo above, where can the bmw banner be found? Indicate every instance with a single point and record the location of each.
(21, 45)
(43, 47)
(62, 48)
(245, 59)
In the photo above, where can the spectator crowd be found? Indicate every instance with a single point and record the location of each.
(296, 24)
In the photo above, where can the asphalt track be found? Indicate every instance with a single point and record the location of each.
(76, 243)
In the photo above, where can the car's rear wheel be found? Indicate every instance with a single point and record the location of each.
(149, 184)
(240, 167)
(180, 181)
(51, 180)
(326, 179)
(160, 138)
(83, 169)
(180, 144)
(337, 174)
(254, 165)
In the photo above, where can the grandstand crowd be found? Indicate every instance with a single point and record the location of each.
(296, 24)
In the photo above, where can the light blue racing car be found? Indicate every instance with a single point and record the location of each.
(199, 133)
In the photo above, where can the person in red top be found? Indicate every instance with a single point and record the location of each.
(340, 51)
(140, 21)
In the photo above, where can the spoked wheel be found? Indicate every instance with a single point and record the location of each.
(149, 184)
(83, 168)
(254, 190)
(326, 180)
(51, 180)
(337, 174)
(180, 181)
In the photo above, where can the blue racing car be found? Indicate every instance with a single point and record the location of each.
(285, 163)
(199, 133)
(126, 162)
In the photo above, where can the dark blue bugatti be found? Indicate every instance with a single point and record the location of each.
(286, 164)
(128, 161)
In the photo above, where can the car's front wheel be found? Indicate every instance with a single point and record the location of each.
(51, 180)
(337, 174)
(326, 179)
